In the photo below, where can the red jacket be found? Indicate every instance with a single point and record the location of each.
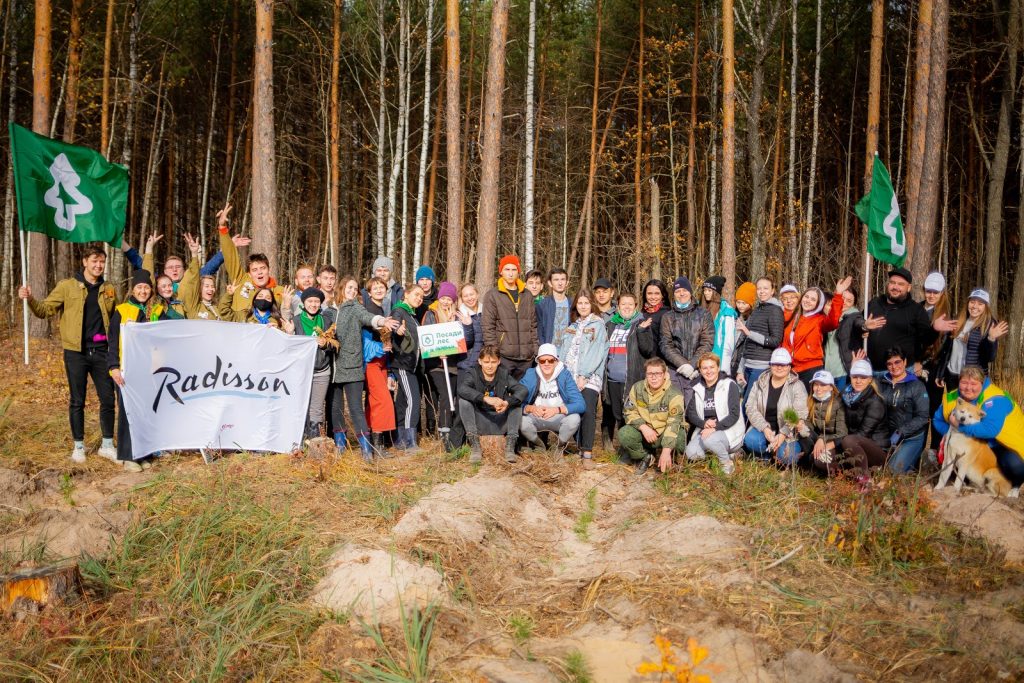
(805, 342)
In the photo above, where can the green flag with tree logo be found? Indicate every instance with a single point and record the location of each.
(68, 192)
(880, 211)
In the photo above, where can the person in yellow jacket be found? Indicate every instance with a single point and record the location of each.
(1002, 426)
(84, 303)
(140, 307)
(654, 419)
(247, 281)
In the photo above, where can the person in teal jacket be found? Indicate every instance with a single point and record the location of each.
(725, 321)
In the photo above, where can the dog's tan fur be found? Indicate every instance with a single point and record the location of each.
(972, 459)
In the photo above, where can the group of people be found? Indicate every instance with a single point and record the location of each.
(670, 373)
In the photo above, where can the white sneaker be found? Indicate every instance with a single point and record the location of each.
(78, 454)
(110, 453)
(728, 466)
(146, 464)
(132, 466)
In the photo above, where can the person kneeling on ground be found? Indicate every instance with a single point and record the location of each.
(716, 408)
(826, 422)
(1001, 425)
(490, 400)
(654, 419)
(553, 401)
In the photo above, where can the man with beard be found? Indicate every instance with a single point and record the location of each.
(894, 319)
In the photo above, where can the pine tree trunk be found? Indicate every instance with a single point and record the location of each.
(928, 195)
(919, 124)
(729, 149)
(490, 154)
(453, 141)
(38, 243)
(588, 205)
(264, 179)
(229, 126)
(105, 103)
(691, 150)
(1015, 340)
(333, 211)
(805, 267)
(791, 207)
(641, 254)
(655, 228)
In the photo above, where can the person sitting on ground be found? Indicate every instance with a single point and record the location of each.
(806, 331)
(776, 405)
(553, 401)
(490, 403)
(654, 420)
(584, 351)
(85, 303)
(867, 437)
(717, 412)
(906, 400)
(140, 307)
(826, 422)
(687, 333)
(1001, 425)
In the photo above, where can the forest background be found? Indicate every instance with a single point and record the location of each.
(617, 138)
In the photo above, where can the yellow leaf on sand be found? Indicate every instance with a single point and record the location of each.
(697, 653)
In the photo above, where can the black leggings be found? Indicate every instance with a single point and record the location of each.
(351, 393)
(446, 417)
(611, 410)
(588, 421)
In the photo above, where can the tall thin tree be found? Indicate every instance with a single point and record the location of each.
(453, 141)
(264, 181)
(38, 243)
(728, 148)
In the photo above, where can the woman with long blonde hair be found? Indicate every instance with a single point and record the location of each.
(972, 341)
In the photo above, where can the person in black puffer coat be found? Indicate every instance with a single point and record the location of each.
(868, 431)
(906, 400)
(687, 333)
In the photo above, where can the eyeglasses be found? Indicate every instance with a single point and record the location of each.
(546, 361)
(656, 373)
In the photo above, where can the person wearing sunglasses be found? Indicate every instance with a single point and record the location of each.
(553, 401)
(906, 400)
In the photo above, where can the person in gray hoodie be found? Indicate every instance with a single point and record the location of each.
(762, 333)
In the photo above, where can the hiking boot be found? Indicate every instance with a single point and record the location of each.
(365, 448)
(537, 445)
(78, 454)
(510, 448)
(476, 454)
(108, 452)
(644, 465)
(379, 449)
(411, 448)
(132, 466)
(341, 440)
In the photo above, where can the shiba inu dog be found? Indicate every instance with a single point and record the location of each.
(972, 459)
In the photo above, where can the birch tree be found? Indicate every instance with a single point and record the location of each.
(805, 267)
(12, 112)
(531, 58)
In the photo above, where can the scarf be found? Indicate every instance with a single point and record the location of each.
(648, 308)
(309, 324)
(406, 307)
(470, 312)
(148, 310)
(682, 307)
(617, 319)
(959, 353)
(850, 396)
(261, 318)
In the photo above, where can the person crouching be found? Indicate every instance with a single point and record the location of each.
(490, 398)
(553, 402)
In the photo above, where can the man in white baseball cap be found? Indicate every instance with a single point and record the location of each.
(553, 401)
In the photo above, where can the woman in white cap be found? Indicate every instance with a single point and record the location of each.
(826, 423)
(789, 295)
(775, 407)
(867, 435)
(972, 341)
(936, 305)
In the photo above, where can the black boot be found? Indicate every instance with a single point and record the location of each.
(380, 450)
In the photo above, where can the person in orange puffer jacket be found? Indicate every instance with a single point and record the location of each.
(805, 333)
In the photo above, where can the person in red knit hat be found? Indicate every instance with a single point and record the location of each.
(509, 320)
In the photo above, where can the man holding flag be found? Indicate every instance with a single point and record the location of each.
(893, 319)
(73, 194)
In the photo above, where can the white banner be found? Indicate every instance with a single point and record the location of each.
(207, 384)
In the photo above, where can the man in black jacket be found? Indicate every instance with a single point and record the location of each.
(491, 398)
(687, 332)
(894, 319)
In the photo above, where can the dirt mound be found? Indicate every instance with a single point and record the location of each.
(68, 533)
(994, 519)
(13, 487)
(801, 666)
(376, 585)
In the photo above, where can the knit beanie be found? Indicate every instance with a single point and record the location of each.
(747, 292)
(509, 259)
(682, 282)
(383, 262)
(141, 277)
(447, 289)
(311, 293)
(425, 272)
(715, 282)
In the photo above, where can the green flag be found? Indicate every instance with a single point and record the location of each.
(68, 192)
(880, 211)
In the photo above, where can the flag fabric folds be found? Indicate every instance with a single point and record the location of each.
(880, 211)
(67, 192)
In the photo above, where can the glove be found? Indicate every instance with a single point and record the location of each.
(825, 457)
(687, 371)
(894, 439)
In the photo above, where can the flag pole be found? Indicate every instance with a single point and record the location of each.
(24, 283)
(867, 255)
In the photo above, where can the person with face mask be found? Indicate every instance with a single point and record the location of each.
(264, 310)
(141, 307)
(687, 332)
(826, 424)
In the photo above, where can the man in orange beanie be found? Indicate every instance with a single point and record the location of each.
(509, 320)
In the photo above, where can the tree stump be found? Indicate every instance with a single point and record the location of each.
(29, 591)
(321, 449)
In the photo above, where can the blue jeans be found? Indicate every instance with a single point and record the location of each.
(751, 375)
(908, 453)
(755, 444)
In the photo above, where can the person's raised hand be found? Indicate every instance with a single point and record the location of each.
(944, 324)
(222, 215)
(844, 284)
(874, 322)
(998, 330)
(151, 242)
(193, 244)
(241, 240)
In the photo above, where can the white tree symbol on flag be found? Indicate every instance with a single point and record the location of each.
(64, 176)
